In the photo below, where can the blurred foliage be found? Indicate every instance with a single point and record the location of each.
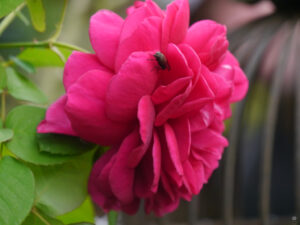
(53, 170)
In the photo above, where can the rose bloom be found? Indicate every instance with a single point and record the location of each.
(157, 92)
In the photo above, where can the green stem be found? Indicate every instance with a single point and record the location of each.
(9, 18)
(41, 44)
(60, 23)
(3, 105)
(35, 212)
(3, 111)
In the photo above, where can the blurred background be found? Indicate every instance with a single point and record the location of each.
(258, 178)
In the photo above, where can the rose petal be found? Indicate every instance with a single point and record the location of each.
(221, 88)
(139, 14)
(146, 37)
(207, 147)
(85, 109)
(178, 66)
(202, 118)
(190, 179)
(166, 92)
(182, 131)
(208, 139)
(172, 107)
(146, 115)
(105, 29)
(161, 203)
(209, 41)
(173, 148)
(144, 176)
(176, 22)
(121, 176)
(56, 119)
(241, 85)
(135, 79)
(98, 185)
(156, 155)
(192, 59)
(238, 77)
(136, 5)
(79, 63)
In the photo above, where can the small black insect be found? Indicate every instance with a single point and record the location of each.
(161, 60)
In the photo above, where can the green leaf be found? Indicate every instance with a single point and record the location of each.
(112, 217)
(6, 134)
(44, 57)
(2, 78)
(16, 192)
(62, 188)
(24, 66)
(84, 213)
(23, 89)
(37, 14)
(6, 6)
(63, 144)
(23, 120)
(38, 218)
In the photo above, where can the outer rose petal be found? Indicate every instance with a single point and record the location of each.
(161, 203)
(203, 118)
(85, 108)
(105, 29)
(136, 5)
(136, 78)
(209, 41)
(207, 149)
(190, 180)
(146, 37)
(241, 85)
(56, 120)
(79, 63)
(230, 66)
(139, 14)
(176, 22)
(98, 185)
(121, 177)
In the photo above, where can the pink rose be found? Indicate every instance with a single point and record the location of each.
(157, 92)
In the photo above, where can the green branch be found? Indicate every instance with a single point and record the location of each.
(46, 44)
(3, 111)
